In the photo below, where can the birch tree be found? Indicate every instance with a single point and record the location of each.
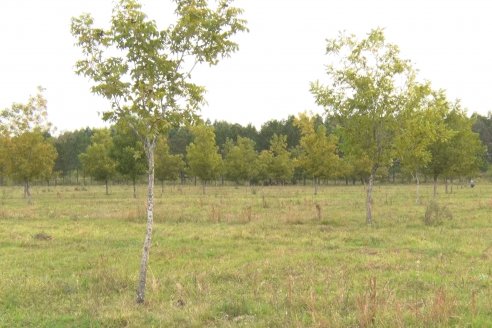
(367, 83)
(146, 72)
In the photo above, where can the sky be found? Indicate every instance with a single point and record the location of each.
(448, 41)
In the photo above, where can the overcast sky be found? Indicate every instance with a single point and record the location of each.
(448, 41)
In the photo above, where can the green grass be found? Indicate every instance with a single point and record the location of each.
(241, 258)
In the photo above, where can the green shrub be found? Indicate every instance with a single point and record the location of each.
(435, 213)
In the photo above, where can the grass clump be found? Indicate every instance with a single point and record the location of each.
(435, 214)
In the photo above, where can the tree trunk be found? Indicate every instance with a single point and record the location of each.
(369, 199)
(149, 148)
(446, 185)
(107, 189)
(315, 180)
(417, 199)
(134, 188)
(435, 186)
(27, 192)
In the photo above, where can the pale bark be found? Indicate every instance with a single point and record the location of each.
(150, 148)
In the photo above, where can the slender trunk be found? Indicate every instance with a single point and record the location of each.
(417, 200)
(369, 200)
(162, 186)
(435, 186)
(446, 185)
(315, 186)
(149, 148)
(27, 192)
(107, 189)
(134, 188)
(77, 175)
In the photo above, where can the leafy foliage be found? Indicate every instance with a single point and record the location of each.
(318, 155)
(240, 159)
(34, 157)
(202, 156)
(128, 152)
(97, 160)
(167, 166)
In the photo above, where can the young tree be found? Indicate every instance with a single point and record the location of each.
(97, 160)
(281, 167)
(128, 153)
(239, 162)
(32, 157)
(202, 155)
(167, 166)
(24, 128)
(146, 72)
(459, 154)
(422, 123)
(69, 146)
(318, 155)
(366, 94)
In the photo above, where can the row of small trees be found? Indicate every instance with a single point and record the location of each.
(436, 142)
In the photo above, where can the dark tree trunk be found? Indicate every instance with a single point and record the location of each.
(134, 188)
(27, 192)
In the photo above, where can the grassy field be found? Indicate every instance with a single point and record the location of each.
(242, 257)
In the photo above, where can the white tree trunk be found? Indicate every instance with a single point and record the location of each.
(149, 148)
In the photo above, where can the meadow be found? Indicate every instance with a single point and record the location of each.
(246, 257)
